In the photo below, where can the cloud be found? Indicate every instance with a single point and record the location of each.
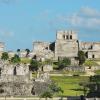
(6, 33)
(90, 12)
(86, 21)
(86, 18)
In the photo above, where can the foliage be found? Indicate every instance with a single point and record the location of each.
(90, 63)
(93, 86)
(64, 63)
(18, 51)
(28, 51)
(81, 57)
(4, 56)
(55, 88)
(15, 59)
(25, 60)
(34, 64)
(48, 61)
(47, 94)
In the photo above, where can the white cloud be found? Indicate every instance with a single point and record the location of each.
(89, 12)
(80, 19)
(6, 33)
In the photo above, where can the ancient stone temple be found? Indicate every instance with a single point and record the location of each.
(66, 44)
(14, 80)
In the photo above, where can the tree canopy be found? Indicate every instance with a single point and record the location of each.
(64, 63)
(34, 64)
(5, 56)
(15, 59)
(81, 57)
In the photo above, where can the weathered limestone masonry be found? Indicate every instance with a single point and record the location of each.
(2, 45)
(14, 80)
(66, 44)
(42, 50)
(91, 48)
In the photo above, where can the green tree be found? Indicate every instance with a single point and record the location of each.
(46, 95)
(15, 59)
(5, 56)
(28, 51)
(92, 87)
(81, 57)
(64, 63)
(90, 63)
(55, 88)
(34, 65)
(18, 51)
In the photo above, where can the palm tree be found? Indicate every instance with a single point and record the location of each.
(28, 51)
(18, 51)
(5, 56)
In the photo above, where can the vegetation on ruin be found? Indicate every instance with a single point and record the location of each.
(15, 59)
(25, 60)
(4, 56)
(34, 65)
(62, 63)
(81, 57)
(90, 63)
(28, 51)
(53, 90)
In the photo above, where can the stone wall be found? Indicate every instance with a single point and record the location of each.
(66, 44)
(92, 49)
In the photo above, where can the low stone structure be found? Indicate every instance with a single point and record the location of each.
(14, 80)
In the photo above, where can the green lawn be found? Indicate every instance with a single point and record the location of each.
(70, 85)
(97, 72)
(68, 72)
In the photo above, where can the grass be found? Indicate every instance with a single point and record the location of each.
(34, 74)
(97, 72)
(70, 85)
(68, 72)
(25, 60)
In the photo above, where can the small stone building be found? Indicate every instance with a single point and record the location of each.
(92, 49)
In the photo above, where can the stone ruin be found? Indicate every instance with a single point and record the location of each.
(15, 80)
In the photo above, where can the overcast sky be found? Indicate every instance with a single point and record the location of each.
(24, 21)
